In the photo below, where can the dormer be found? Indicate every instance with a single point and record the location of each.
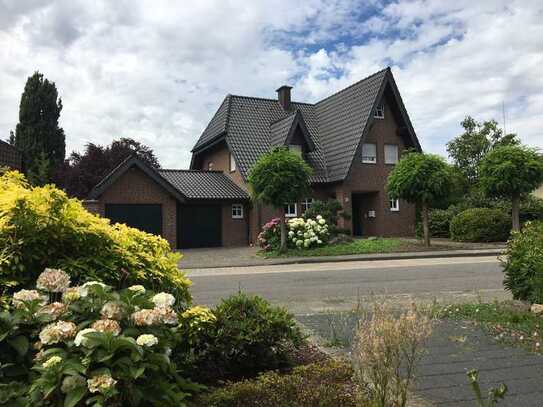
(292, 132)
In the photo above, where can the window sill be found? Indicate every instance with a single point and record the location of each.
(369, 162)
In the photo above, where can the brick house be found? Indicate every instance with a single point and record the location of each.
(351, 139)
(10, 157)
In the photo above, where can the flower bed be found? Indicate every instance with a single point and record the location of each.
(302, 233)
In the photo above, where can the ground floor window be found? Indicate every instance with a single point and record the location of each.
(291, 210)
(237, 211)
(394, 205)
(306, 204)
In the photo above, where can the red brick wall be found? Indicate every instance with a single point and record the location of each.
(234, 231)
(373, 177)
(134, 187)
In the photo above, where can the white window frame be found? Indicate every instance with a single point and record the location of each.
(396, 158)
(365, 159)
(379, 112)
(237, 211)
(232, 163)
(290, 214)
(306, 204)
(394, 205)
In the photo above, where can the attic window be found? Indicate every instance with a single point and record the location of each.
(380, 112)
(232, 163)
(295, 148)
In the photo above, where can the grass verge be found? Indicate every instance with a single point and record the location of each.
(510, 322)
(358, 246)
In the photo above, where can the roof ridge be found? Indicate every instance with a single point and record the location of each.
(188, 170)
(269, 99)
(286, 117)
(354, 84)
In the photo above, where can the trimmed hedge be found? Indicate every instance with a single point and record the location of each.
(523, 267)
(439, 221)
(41, 227)
(481, 225)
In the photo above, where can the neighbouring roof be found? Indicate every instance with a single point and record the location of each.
(182, 184)
(9, 156)
(335, 126)
(204, 184)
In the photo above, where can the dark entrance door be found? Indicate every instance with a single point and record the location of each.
(199, 226)
(357, 214)
(146, 217)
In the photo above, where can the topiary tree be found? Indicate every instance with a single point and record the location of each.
(422, 179)
(277, 178)
(511, 171)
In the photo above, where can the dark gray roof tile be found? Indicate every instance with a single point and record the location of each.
(203, 184)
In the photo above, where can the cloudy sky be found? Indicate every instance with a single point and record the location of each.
(157, 70)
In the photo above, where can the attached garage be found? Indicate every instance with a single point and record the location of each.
(146, 217)
(199, 226)
(188, 208)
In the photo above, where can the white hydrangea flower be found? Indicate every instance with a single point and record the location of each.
(84, 289)
(322, 221)
(80, 337)
(53, 280)
(101, 383)
(319, 217)
(163, 300)
(52, 361)
(27, 295)
(147, 340)
(137, 289)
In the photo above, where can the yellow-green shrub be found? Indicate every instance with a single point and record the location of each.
(41, 227)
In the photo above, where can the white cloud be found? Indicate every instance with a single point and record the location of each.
(157, 70)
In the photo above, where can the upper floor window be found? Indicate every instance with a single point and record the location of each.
(394, 205)
(232, 163)
(237, 211)
(210, 166)
(291, 210)
(391, 153)
(295, 148)
(306, 204)
(369, 153)
(379, 112)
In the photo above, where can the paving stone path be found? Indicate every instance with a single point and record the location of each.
(453, 350)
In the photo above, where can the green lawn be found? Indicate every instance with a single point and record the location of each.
(358, 246)
(506, 321)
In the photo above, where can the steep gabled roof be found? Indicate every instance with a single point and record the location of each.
(119, 170)
(336, 126)
(181, 184)
(204, 184)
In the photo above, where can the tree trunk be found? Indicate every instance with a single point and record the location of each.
(283, 248)
(516, 212)
(425, 228)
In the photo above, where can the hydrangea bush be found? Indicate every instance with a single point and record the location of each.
(63, 345)
(302, 233)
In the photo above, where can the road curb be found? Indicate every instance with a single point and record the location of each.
(365, 257)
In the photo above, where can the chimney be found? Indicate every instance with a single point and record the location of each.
(283, 96)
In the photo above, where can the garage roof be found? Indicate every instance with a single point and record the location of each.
(203, 184)
(182, 184)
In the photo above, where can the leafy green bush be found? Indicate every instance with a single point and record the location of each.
(330, 210)
(439, 221)
(325, 384)
(89, 345)
(481, 225)
(41, 227)
(247, 336)
(523, 266)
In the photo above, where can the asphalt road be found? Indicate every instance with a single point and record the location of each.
(310, 288)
